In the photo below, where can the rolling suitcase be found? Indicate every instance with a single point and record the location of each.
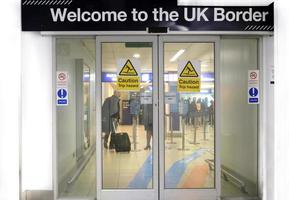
(121, 141)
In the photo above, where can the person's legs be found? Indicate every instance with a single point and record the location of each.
(106, 136)
(211, 118)
(149, 136)
(191, 118)
(113, 132)
(112, 142)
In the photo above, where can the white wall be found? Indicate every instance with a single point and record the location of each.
(36, 112)
(10, 93)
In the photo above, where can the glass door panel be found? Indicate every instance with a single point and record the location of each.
(128, 92)
(187, 118)
(239, 119)
(75, 121)
(124, 110)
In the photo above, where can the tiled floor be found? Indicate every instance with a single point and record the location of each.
(192, 157)
(85, 185)
(184, 168)
(119, 169)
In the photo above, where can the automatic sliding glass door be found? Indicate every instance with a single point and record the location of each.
(157, 135)
(189, 140)
(127, 123)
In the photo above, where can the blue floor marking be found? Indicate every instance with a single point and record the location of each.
(175, 173)
(143, 176)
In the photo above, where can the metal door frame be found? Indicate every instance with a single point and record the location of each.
(188, 194)
(122, 194)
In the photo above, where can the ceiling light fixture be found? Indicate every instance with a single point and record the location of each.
(177, 55)
(136, 55)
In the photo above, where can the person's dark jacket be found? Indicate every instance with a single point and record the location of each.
(110, 109)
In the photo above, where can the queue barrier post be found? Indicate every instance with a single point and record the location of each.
(171, 129)
(183, 148)
(134, 133)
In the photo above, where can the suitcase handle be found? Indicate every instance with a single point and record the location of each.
(114, 121)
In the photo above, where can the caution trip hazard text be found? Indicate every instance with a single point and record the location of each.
(189, 80)
(128, 78)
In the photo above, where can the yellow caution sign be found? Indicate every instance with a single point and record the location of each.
(189, 80)
(128, 69)
(189, 84)
(128, 83)
(189, 71)
(128, 78)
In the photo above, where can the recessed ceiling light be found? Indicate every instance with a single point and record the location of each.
(136, 55)
(178, 54)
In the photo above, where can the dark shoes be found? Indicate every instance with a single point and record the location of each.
(147, 147)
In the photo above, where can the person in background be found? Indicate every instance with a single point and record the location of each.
(193, 111)
(110, 118)
(148, 124)
(202, 111)
(205, 110)
(198, 111)
(186, 110)
(183, 109)
(212, 113)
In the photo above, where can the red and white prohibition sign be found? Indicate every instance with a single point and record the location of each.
(253, 75)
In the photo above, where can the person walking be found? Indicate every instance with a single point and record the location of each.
(148, 124)
(110, 118)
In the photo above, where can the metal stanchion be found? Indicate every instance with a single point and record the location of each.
(134, 133)
(183, 136)
(205, 129)
(171, 130)
(195, 131)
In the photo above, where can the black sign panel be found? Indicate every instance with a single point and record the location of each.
(136, 15)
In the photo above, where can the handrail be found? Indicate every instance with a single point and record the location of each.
(81, 166)
(226, 173)
(211, 164)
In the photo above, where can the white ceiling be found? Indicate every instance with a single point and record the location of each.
(204, 52)
(112, 52)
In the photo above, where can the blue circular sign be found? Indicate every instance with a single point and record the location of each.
(253, 92)
(62, 93)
